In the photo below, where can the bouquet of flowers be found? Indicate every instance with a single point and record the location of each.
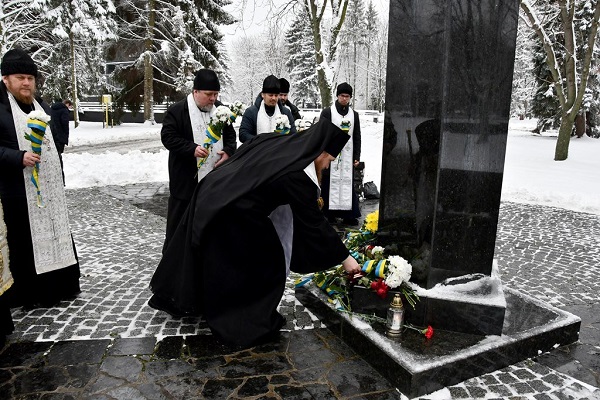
(282, 124)
(302, 124)
(214, 130)
(345, 125)
(237, 109)
(378, 273)
(37, 121)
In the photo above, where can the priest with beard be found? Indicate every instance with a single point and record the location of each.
(227, 261)
(43, 258)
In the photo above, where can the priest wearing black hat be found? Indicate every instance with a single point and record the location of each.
(226, 260)
(42, 255)
(261, 117)
(183, 133)
(340, 199)
(284, 98)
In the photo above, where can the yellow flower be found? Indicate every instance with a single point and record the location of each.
(371, 221)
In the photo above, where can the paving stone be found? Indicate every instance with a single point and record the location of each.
(132, 346)
(539, 251)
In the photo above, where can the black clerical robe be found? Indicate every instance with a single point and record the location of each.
(226, 260)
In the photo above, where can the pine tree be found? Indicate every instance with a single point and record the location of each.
(372, 20)
(353, 38)
(65, 40)
(164, 43)
(301, 61)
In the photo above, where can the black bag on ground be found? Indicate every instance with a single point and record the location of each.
(370, 190)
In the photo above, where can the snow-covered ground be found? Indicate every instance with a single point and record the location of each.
(530, 176)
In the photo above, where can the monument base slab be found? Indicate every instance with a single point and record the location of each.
(418, 366)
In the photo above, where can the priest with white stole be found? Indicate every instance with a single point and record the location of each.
(183, 133)
(43, 259)
(340, 199)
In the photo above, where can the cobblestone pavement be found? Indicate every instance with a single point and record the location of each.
(108, 344)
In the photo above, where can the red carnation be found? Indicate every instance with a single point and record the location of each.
(428, 332)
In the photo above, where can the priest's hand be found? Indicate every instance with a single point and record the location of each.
(29, 159)
(200, 152)
(224, 156)
(351, 266)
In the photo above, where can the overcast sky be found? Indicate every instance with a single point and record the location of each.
(254, 15)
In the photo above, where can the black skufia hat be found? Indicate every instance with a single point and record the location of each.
(343, 88)
(337, 143)
(271, 85)
(16, 61)
(207, 79)
(284, 85)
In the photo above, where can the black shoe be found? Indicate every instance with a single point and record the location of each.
(350, 221)
(159, 304)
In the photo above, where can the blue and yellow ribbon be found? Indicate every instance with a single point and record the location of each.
(377, 267)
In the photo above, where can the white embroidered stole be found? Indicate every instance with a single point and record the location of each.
(50, 231)
(264, 123)
(6, 279)
(340, 183)
(283, 220)
(200, 121)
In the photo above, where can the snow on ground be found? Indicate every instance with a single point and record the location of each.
(530, 176)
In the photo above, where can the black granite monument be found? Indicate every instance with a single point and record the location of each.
(449, 76)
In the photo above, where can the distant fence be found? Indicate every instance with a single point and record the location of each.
(95, 112)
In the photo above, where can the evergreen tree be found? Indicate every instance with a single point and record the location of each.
(301, 61)
(372, 20)
(353, 39)
(544, 104)
(162, 43)
(65, 40)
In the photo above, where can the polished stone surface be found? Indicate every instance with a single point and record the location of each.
(449, 76)
(418, 366)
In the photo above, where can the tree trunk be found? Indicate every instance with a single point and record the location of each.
(148, 70)
(564, 136)
(74, 81)
(580, 125)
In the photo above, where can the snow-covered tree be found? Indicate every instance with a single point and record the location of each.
(300, 63)
(64, 37)
(576, 39)
(353, 38)
(79, 27)
(372, 22)
(250, 66)
(523, 79)
(161, 44)
(325, 33)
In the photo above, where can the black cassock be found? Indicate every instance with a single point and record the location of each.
(226, 260)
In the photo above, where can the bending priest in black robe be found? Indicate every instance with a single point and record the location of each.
(226, 260)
